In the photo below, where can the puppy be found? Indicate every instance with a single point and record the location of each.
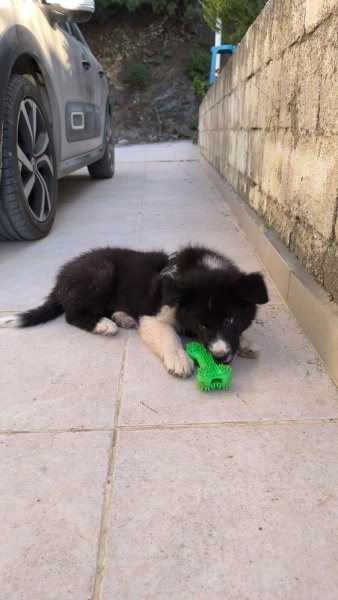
(196, 290)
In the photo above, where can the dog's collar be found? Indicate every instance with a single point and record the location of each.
(171, 268)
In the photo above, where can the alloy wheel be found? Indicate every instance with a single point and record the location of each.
(35, 159)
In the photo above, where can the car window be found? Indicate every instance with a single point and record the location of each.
(65, 27)
(77, 33)
(74, 31)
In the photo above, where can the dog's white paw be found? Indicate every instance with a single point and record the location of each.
(123, 320)
(105, 327)
(178, 363)
(247, 348)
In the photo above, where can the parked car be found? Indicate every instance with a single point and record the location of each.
(55, 111)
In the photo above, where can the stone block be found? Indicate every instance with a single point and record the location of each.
(293, 11)
(275, 167)
(225, 147)
(243, 59)
(257, 199)
(287, 24)
(255, 155)
(238, 60)
(288, 105)
(254, 49)
(234, 114)
(237, 108)
(268, 83)
(226, 77)
(331, 272)
(220, 86)
(279, 220)
(313, 182)
(317, 11)
(232, 155)
(242, 185)
(232, 177)
(241, 150)
(224, 110)
(249, 102)
(212, 119)
(310, 248)
(264, 23)
(306, 96)
(224, 170)
(328, 108)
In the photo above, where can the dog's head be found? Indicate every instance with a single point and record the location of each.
(217, 306)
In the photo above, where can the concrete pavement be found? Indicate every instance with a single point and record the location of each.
(120, 482)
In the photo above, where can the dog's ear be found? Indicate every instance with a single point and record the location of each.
(174, 291)
(250, 288)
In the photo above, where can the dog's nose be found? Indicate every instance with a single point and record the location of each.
(221, 351)
(222, 357)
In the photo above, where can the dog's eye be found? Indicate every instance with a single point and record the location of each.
(228, 321)
(202, 327)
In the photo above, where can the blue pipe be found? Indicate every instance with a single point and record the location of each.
(224, 49)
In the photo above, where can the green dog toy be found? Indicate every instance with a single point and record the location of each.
(210, 375)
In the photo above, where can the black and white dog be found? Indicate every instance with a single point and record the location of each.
(197, 290)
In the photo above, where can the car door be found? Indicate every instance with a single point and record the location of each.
(77, 88)
(85, 97)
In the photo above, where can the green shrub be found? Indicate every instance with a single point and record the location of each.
(197, 64)
(204, 44)
(138, 75)
(200, 87)
(193, 125)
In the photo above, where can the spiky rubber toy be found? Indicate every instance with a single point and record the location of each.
(210, 375)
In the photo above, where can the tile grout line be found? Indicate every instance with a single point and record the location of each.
(108, 492)
(164, 426)
(230, 424)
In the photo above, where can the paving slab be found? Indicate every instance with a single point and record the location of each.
(52, 494)
(232, 512)
(120, 481)
(60, 379)
(266, 389)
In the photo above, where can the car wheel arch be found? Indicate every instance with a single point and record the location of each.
(28, 67)
(25, 57)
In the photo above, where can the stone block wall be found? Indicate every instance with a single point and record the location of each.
(269, 124)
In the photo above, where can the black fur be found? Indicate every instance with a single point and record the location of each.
(213, 303)
(210, 296)
(98, 283)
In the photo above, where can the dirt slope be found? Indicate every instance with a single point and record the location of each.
(167, 109)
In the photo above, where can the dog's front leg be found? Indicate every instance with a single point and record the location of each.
(159, 335)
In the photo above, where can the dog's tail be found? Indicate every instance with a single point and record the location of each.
(46, 312)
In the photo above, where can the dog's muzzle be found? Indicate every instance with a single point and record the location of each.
(221, 352)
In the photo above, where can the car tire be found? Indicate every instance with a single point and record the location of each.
(105, 167)
(28, 189)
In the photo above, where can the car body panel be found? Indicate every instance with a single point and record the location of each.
(57, 58)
